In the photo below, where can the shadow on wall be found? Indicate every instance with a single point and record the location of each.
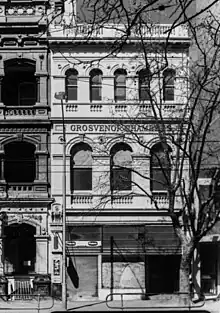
(73, 275)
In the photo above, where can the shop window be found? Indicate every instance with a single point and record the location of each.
(144, 77)
(169, 85)
(81, 167)
(20, 163)
(160, 168)
(71, 84)
(96, 85)
(19, 86)
(120, 85)
(128, 273)
(83, 233)
(120, 163)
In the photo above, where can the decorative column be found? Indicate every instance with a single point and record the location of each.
(41, 265)
(2, 178)
(100, 182)
(2, 114)
(38, 89)
(1, 249)
(68, 179)
(2, 153)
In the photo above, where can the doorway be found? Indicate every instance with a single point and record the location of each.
(20, 249)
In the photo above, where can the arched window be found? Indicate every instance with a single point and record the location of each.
(71, 84)
(81, 167)
(144, 77)
(120, 85)
(160, 167)
(169, 85)
(120, 171)
(95, 85)
(20, 163)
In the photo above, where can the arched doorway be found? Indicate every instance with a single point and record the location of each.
(20, 249)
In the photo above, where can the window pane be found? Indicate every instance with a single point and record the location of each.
(96, 93)
(120, 79)
(159, 159)
(168, 93)
(159, 181)
(72, 93)
(27, 93)
(169, 79)
(82, 179)
(72, 80)
(144, 93)
(121, 179)
(96, 79)
(120, 93)
(144, 77)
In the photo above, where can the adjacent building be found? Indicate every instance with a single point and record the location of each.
(24, 144)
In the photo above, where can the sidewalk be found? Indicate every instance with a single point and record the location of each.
(48, 305)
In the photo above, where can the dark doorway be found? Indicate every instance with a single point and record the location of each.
(163, 271)
(209, 268)
(20, 249)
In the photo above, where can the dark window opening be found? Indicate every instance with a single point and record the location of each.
(121, 162)
(81, 167)
(19, 84)
(160, 168)
(120, 85)
(95, 85)
(20, 164)
(144, 85)
(71, 84)
(168, 85)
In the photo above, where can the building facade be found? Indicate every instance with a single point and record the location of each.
(117, 240)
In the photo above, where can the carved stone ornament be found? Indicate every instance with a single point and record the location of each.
(102, 140)
(56, 212)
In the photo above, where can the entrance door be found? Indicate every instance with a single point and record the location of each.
(209, 265)
(19, 249)
(163, 273)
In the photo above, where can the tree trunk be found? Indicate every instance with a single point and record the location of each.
(185, 270)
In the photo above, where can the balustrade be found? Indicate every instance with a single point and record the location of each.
(71, 107)
(20, 112)
(160, 200)
(117, 30)
(120, 108)
(96, 108)
(122, 200)
(82, 199)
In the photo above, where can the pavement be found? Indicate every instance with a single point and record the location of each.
(50, 305)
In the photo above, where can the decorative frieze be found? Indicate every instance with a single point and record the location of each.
(23, 130)
(20, 10)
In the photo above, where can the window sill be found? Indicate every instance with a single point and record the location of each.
(81, 192)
